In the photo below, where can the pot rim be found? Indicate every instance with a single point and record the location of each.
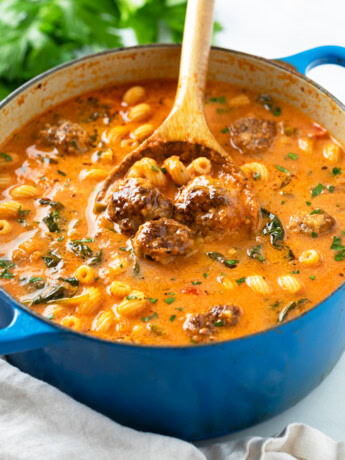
(271, 62)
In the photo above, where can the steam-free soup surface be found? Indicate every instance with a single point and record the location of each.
(184, 267)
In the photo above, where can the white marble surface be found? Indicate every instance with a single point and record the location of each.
(276, 28)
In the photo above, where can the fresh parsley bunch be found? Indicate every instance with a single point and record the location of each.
(38, 34)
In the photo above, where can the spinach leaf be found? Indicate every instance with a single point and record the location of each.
(289, 307)
(217, 256)
(273, 228)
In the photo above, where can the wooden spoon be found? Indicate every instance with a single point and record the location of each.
(185, 132)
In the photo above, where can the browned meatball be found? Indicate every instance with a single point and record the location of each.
(163, 240)
(208, 207)
(252, 135)
(134, 201)
(70, 137)
(201, 325)
(320, 222)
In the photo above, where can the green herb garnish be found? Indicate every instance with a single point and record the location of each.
(317, 190)
(145, 319)
(280, 168)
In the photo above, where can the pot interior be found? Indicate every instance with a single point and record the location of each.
(162, 61)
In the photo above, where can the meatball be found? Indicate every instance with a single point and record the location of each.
(201, 325)
(208, 208)
(252, 135)
(70, 137)
(309, 223)
(163, 240)
(134, 201)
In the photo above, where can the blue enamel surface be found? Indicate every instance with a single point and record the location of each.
(314, 57)
(189, 392)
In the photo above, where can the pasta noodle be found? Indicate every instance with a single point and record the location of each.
(139, 112)
(134, 95)
(25, 191)
(258, 284)
(143, 131)
(133, 304)
(199, 167)
(9, 209)
(332, 153)
(147, 167)
(85, 274)
(72, 322)
(5, 227)
(310, 257)
(289, 283)
(119, 289)
(104, 321)
(306, 144)
(177, 170)
(255, 170)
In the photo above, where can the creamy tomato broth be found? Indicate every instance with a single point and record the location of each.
(170, 262)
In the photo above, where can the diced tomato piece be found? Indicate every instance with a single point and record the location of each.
(190, 290)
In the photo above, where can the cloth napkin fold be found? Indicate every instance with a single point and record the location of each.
(37, 421)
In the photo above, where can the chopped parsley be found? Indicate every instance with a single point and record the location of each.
(308, 203)
(225, 130)
(205, 275)
(241, 280)
(219, 323)
(336, 171)
(164, 170)
(195, 283)
(314, 235)
(256, 175)
(316, 211)
(4, 263)
(152, 300)
(22, 214)
(172, 318)
(154, 168)
(218, 100)
(317, 190)
(312, 277)
(131, 297)
(293, 156)
(145, 319)
(338, 246)
(280, 168)
(169, 300)
(330, 188)
(61, 172)
(6, 156)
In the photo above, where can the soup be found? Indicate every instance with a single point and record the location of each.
(171, 257)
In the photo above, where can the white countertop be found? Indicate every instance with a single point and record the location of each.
(274, 29)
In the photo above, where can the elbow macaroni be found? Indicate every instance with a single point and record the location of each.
(148, 168)
(255, 170)
(199, 167)
(85, 274)
(177, 170)
(119, 289)
(9, 209)
(310, 257)
(5, 227)
(104, 321)
(133, 304)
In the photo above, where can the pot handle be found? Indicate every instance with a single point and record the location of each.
(314, 57)
(25, 331)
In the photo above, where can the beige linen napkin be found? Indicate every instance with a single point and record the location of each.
(37, 422)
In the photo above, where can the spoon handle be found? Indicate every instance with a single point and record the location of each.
(195, 51)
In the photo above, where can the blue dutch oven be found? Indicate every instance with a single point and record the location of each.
(192, 392)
